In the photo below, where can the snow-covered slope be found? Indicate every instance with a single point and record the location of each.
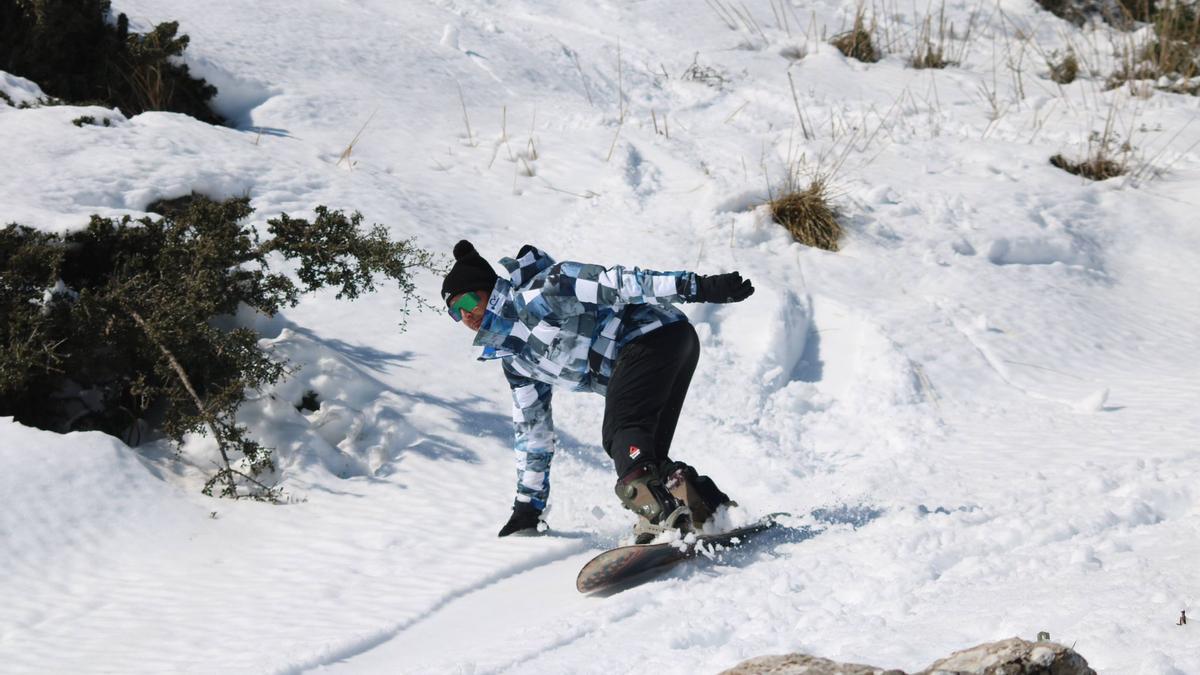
(986, 403)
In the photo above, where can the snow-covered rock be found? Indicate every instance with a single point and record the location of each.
(803, 664)
(1006, 657)
(1013, 656)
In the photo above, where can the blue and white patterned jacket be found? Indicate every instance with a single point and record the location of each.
(563, 324)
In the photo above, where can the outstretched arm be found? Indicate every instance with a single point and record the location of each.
(578, 286)
(586, 286)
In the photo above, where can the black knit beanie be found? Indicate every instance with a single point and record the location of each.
(469, 273)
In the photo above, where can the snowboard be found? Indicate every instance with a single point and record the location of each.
(626, 566)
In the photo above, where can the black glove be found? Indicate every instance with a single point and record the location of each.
(729, 287)
(524, 520)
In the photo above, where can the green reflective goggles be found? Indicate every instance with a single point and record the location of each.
(465, 303)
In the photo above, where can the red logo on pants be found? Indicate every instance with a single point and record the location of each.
(634, 452)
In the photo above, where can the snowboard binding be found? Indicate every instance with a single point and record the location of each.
(643, 491)
(699, 493)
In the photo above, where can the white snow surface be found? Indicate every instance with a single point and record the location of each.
(986, 403)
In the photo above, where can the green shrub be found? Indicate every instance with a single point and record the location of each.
(73, 53)
(113, 328)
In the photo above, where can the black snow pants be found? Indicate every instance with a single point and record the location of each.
(645, 395)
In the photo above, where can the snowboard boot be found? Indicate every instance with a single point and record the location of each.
(699, 493)
(642, 491)
(524, 520)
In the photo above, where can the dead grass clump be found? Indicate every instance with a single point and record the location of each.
(1064, 70)
(703, 74)
(1122, 14)
(1170, 56)
(1105, 157)
(856, 43)
(931, 52)
(1092, 168)
(807, 214)
(1068, 10)
(928, 56)
(1176, 47)
(1138, 10)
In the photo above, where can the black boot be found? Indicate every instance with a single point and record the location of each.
(523, 521)
(699, 493)
(642, 491)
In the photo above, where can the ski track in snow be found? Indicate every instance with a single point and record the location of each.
(366, 644)
(986, 400)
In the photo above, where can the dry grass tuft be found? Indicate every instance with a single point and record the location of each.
(346, 154)
(704, 74)
(1138, 10)
(856, 43)
(1105, 157)
(1122, 14)
(1170, 56)
(929, 56)
(1065, 70)
(1093, 167)
(931, 52)
(807, 214)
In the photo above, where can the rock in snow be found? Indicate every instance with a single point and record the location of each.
(803, 664)
(1013, 656)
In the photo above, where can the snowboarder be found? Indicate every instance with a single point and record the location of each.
(614, 331)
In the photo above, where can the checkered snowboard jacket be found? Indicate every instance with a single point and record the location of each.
(563, 324)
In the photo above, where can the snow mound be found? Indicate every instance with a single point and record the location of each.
(66, 490)
(19, 90)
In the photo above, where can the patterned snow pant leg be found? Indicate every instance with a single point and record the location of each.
(534, 443)
(646, 393)
(533, 477)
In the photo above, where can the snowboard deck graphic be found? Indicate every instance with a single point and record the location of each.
(629, 565)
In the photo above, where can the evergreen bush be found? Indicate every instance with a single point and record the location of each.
(72, 51)
(112, 328)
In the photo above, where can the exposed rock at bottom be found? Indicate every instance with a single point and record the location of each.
(803, 664)
(1013, 656)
